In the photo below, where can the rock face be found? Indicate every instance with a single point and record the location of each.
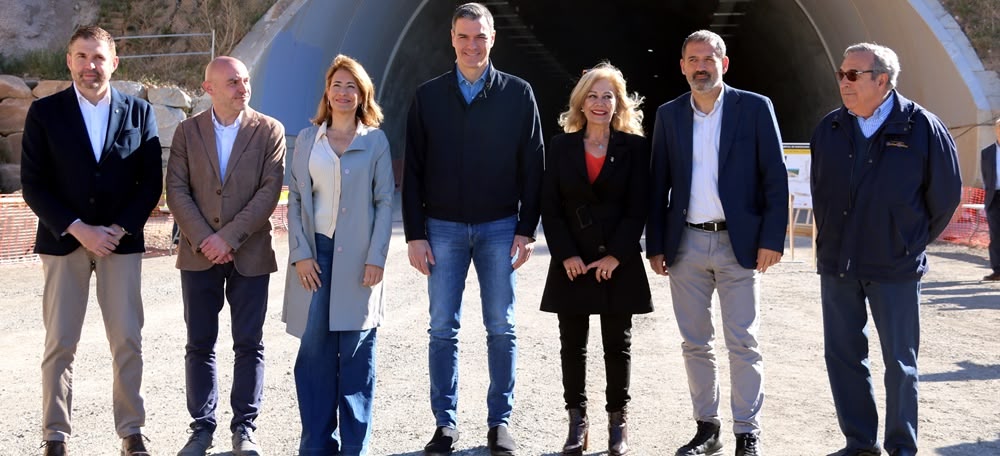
(34, 25)
(14, 148)
(130, 88)
(12, 114)
(167, 119)
(169, 96)
(46, 88)
(13, 87)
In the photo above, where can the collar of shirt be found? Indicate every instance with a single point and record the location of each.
(716, 107)
(96, 118)
(471, 89)
(234, 126)
(105, 101)
(321, 131)
(870, 125)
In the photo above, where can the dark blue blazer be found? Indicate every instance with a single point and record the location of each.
(988, 162)
(753, 182)
(62, 180)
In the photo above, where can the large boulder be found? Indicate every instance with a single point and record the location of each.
(13, 111)
(169, 96)
(167, 119)
(13, 87)
(10, 178)
(46, 88)
(14, 143)
(4, 151)
(201, 104)
(136, 89)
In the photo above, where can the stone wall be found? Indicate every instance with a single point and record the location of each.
(170, 106)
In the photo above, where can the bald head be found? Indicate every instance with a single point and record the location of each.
(227, 81)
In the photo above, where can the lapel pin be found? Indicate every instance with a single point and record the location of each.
(612, 159)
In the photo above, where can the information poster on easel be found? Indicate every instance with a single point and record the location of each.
(797, 161)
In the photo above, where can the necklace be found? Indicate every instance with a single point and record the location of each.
(599, 144)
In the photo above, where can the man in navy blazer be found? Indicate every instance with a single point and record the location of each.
(988, 162)
(719, 208)
(91, 172)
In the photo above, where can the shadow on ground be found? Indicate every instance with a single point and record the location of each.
(967, 370)
(971, 449)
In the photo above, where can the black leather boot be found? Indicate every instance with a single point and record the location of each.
(576, 441)
(617, 433)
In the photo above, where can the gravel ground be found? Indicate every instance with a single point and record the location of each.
(960, 366)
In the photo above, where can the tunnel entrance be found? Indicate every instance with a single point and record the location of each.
(773, 48)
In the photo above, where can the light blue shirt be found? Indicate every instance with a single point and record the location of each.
(471, 89)
(870, 125)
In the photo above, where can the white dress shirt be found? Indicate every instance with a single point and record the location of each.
(324, 170)
(225, 136)
(705, 205)
(96, 118)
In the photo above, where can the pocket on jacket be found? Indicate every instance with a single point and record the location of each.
(127, 142)
(909, 228)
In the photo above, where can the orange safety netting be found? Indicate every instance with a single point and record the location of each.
(968, 225)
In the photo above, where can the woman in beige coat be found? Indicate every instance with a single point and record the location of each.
(339, 225)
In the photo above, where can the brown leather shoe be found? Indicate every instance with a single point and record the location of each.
(55, 448)
(134, 445)
(992, 277)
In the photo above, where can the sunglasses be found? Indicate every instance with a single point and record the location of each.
(851, 75)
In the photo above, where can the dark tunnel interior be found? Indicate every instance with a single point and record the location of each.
(773, 50)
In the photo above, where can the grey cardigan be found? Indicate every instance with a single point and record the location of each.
(362, 234)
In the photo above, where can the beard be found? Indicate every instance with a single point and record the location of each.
(703, 85)
(93, 82)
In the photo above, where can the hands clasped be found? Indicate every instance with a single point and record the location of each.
(604, 267)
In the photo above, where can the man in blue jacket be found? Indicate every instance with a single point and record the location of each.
(989, 164)
(91, 171)
(885, 182)
(719, 208)
(472, 194)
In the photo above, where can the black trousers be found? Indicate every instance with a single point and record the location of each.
(993, 221)
(616, 332)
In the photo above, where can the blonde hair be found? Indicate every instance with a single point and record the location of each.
(369, 112)
(627, 116)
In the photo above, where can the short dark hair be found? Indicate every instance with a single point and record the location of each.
(472, 11)
(705, 36)
(93, 32)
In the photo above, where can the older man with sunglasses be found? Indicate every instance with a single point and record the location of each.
(885, 182)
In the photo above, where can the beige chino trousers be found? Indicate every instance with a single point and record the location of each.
(64, 305)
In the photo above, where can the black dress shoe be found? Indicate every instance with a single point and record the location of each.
(443, 442)
(134, 445)
(705, 442)
(747, 445)
(499, 441)
(992, 277)
(55, 448)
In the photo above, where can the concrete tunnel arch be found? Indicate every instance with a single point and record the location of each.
(785, 49)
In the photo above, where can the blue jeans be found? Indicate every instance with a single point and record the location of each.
(487, 246)
(334, 371)
(896, 312)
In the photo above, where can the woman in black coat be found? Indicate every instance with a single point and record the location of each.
(594, 206)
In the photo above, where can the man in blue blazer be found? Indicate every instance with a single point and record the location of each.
(91, 172)
(719, 207)
(988, 162)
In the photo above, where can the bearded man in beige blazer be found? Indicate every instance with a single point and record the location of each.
(224, 178)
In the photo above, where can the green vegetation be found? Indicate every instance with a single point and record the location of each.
(41, 64)
(980, 20)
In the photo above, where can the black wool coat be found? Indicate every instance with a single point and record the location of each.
(594, 220)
